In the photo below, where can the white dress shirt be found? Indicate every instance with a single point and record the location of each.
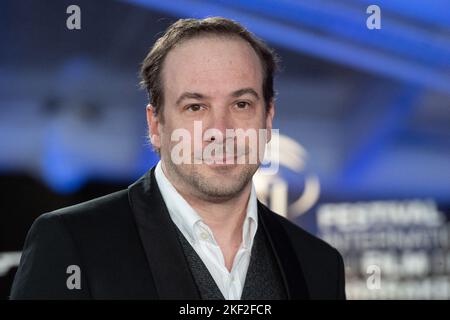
(201, 238)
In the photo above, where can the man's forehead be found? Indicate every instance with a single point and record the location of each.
(215, 54)
(211, 41)
(201, 65)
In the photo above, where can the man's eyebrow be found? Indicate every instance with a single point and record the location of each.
(199, 96)
(190, 95)
(243, 91)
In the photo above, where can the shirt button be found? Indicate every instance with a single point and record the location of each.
(204, 235)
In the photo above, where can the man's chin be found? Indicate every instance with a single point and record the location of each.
(226, 179)
(216, 181)
(230, 171)
(221, 166)
(222, 189)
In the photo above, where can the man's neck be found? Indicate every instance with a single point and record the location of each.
(225, 218)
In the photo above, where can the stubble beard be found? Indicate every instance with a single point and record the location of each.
(212, 184)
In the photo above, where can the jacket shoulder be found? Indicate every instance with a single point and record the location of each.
(95, 208)
(100, 236)
(99, 225)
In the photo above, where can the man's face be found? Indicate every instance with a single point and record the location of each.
(216, 82)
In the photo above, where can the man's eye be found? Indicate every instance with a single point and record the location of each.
(194, 107)
(242, 105)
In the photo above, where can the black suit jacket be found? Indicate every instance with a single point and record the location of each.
(126, 247)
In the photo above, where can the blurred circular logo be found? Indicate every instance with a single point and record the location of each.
(275, 183)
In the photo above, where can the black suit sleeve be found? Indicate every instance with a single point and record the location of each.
(341, 277)
(43, 271)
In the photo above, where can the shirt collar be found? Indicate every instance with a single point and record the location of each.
(251, 220)
(185, 217)
(181, 213)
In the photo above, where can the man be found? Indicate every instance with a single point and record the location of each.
(191, 227)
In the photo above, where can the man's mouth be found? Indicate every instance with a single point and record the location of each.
(222, 159)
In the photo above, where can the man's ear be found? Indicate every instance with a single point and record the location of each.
(270, 113)
(153, 127)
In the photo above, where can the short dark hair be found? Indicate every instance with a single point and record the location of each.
(185, 29)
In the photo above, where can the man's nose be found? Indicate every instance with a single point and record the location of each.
(219, 120)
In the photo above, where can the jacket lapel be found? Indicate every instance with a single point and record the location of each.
(169, 268)
(291, 271)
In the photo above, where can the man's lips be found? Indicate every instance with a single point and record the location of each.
(222, 159)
